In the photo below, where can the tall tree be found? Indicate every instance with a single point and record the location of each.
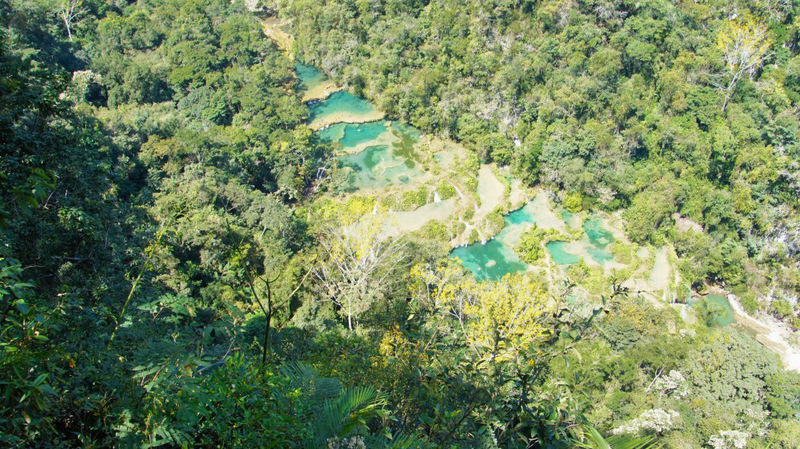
(744, 43)
(358, 265)
(70, 12)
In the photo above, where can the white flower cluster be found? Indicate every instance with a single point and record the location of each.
(354, 442)
(729, 439)
(672, 384)
(657, 420)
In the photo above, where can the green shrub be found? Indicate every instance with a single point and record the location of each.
(435, 230)
(469, 212)
(573, 202)
(446, 190)
(496, 221)
(622, 252)
(532, 243)
(413, 199)
(749, 302)
(781, 308)
(530, 247)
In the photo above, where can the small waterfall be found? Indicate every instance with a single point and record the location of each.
(436, 197)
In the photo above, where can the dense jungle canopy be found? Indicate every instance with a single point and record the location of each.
(400, 223)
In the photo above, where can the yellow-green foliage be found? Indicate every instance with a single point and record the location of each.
(573, 202)
(435, 230)
(506, 207)
(502, 178)
(458, 227)
(471, 183)
(623, 253)
(471, 163)
(446, 189)
(571, 235)
(413, 199)
(595, 280)
(469, 212)
(532, 243)
(579, 271)
(330, 211)
(505, 319)
(744, 43)
(495, 220)
(622, 275)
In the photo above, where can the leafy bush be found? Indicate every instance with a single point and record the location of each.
(749, 303)
(413, 199)
(781, 308)
(573, 202)
(446, 190)
(531, 245)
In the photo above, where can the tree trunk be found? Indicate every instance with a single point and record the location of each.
(350, 316)
(269, 325)
(69, 31)
(267, 314)
(729, 90)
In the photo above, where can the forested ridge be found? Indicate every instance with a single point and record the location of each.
(180, 266)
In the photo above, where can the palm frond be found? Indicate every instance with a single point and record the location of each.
(347, 414)
(306, 378)
(594, 440)
(407, 442)
(399, 441)
(631, 442)
(340, 412)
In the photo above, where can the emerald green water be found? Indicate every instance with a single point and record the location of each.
(496, 258)
(718, 309)
(489, 261)
(334, 133)
(337, 103)
(309, 76)
(598, 236)
(595, 243)
(408, 132)
(524, 215)
(726, 316)
(377, 165)
(567, 216)
(353, 134)
(558, 251)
